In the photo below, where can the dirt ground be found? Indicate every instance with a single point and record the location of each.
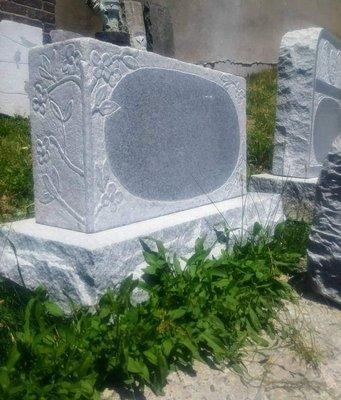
(307, 365)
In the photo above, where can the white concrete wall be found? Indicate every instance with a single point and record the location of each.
(237, 36)
(15, 41)
(219, 33)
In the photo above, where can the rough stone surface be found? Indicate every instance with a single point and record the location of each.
(324, 249)
(121, 135)
(278, 372)
(309, 101)
(298, 194)
(59, 35)
(15, 41)
(135, 24)
(84, 265)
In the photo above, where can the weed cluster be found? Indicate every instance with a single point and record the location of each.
(207, 310)
(261, 118)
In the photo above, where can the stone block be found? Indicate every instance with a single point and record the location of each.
(83, 266)
(324, 248)
(309, 101)
(298, 194)
(15, 41)
(121, 135)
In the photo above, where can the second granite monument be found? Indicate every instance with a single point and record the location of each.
(309, 102)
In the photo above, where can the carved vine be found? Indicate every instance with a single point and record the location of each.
(107, 71)
(51, 79)
(234, 88)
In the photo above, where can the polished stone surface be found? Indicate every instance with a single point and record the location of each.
(178, 135)
(309, 101)
(121, 135)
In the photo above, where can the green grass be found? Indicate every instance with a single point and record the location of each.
(16, 183)
(261, 114)
(210, 310)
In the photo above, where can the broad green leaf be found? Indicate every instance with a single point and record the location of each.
(53, 309)
(176, 314)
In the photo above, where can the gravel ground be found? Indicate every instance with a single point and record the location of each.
(306, 368)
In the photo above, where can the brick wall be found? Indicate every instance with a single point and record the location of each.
(40, 13)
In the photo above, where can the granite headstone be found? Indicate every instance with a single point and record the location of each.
(121, 135)
(309, 102)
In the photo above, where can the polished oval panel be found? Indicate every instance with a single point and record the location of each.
(175, 135)
(327, 126)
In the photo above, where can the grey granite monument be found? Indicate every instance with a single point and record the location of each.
(127, 144)
(121, 136)
(308, 112)
(309, 102)
(324, 249)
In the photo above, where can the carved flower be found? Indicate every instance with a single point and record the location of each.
(235, 89)
(40, 99)
(115, 76)
(112, 197)
(43, 150)
(72, 59)
(102, 65)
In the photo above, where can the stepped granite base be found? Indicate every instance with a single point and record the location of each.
(82, 266)
(298, 194)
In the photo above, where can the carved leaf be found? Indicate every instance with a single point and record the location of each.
(56, 111)
(130, 62)
(44, 74)
(108, 107)
(101, 95)
(50, 186)
(68, 111)
(226, 79)
(46, 63)
(46, 198)
(95, 58)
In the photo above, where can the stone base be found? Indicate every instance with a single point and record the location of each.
(298, 194)
(82, 266)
